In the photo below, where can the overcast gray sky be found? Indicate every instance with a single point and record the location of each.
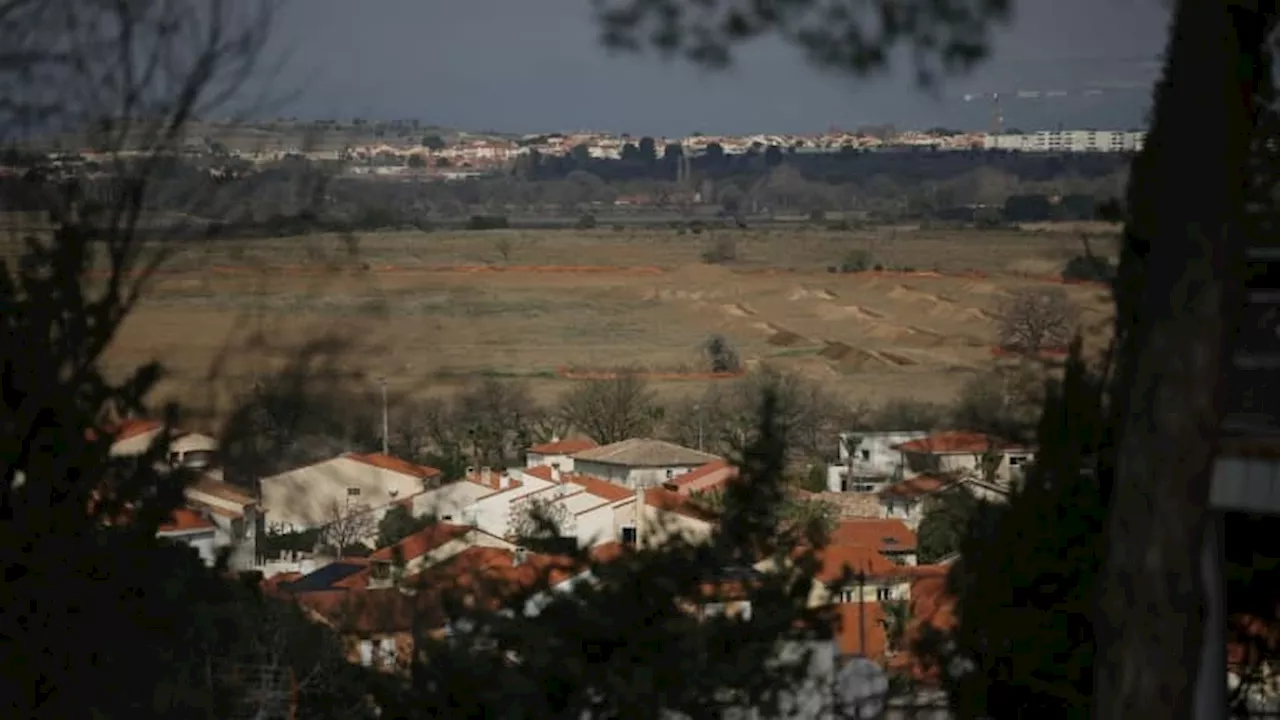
(537, 65)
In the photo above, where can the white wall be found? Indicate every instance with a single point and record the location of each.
(595, 527)
(874, 453)
(909, 511)
(631, 477)
(533, 460)
(449, 500)
(492, 513)
(304, 498)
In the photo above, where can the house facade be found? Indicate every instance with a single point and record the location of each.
(590, 510)
(639, 462)
(311, 496)
(867, 461)
(966, 454)
(557, 452)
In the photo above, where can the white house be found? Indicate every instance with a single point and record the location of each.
(557, 452)
(234, 513)
(447, 502)
(593, 511)
(869, 460)
(315, 495)
(639, 462)
(966, 454)
(908, 500)
(196, 530)
(493, 513)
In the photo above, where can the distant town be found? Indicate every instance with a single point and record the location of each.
(409, 149)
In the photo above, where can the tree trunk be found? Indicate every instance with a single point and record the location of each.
(1178, 296)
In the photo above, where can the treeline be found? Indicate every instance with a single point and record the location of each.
(491, 421)
(296, 195)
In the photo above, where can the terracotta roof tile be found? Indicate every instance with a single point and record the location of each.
(880, 535)
(133, 427)
(394, 464)
(711, 476)
(568, 446)
(186, 520)
(422, 542)
(601, 488)
(671, 501)
(917, 486)
(841, 561)
(954, 441)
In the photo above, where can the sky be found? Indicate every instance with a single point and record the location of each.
(537, 65)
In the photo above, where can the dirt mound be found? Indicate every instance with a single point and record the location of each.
(844, 312)
(738, 310)
(852, 359)
(802, 293)
(980, 314)
(897, 359)
(785, 338)
(983, 288)
(887, 331)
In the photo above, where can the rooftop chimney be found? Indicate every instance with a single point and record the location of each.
(519, 556)
(486, 477)
(555, 472)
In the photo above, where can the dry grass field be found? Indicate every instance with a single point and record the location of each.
(428, 311)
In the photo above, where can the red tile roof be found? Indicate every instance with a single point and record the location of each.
(602, 488)
(711, 476)
(956, 442)
(422, 542)
(394, 464)
(914, 487)
(838, 562)
(479, 566)
(133, 427)
(186, 520)
(880, 535)
(671, 501)
(851, 620)
(568, 446)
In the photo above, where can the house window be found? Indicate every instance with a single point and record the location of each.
(629, 535)
(846, 595)
(1016, 460)
(671, 474)
(883, 594)
(366, 653)
(447, 518)
(866, 455)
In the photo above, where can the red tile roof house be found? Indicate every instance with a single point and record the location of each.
(891, 538)
(965, 453)
(194, 529)
(557, 452)
(593, 511)
(380, 627)
(310, 496)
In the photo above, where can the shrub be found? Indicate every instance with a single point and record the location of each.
(487, 222)
(697, 226)
(855, 261)
(722, 250)
(1088, 268)
(586, 221)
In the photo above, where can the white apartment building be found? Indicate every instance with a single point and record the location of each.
(1066, 141)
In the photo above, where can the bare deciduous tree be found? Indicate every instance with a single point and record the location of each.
(1033, 319)
(722, 355)
(612, 409)
(347, 524)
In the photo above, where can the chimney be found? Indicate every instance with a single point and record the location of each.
(504, 479)
(555, 472)
(486, 477)
(518, 556)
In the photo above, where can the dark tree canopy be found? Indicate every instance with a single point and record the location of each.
(943, 35)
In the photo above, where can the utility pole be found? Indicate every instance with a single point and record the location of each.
(386, 421)
(697, 410)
